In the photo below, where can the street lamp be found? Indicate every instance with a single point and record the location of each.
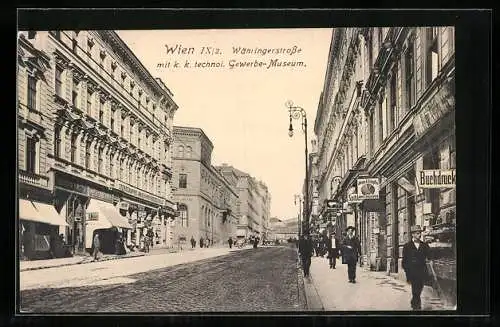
(297, 112)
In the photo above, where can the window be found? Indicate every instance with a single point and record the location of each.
(431, 161)
(87, 155)
(371, 135)
(101, 111)
(432, 58)
(58, 85)
(122, 169)
(180, 151)
(89, 102)
(74, 98)
(32, 92)
(113, 113)
(100, 159)
(380, 135)
(57, 141)
(73, 147)
(392, 115)
(183, 215)
(182, 180)
(409, 77)
(32, 154)
(188, 152)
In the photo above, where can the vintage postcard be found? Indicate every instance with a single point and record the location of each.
(237, 170)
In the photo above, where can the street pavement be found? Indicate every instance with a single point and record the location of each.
(373, 291)
(213, 279)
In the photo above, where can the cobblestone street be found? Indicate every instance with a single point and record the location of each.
(263, 279)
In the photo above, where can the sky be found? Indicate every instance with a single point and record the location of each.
(242, 109)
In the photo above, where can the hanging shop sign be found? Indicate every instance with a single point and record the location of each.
(353, 198)
(437, 178)
(368, 188)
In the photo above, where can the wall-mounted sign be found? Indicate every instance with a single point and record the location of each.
(436, 178)
(131, 190)
(434, 109)
(92, 216)
(368, 188)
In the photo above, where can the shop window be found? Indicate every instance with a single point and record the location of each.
(182, 180)
(32, 154)
(183, 215)
(32, 92)
(59, 84)
(431, 56)
(409, 77)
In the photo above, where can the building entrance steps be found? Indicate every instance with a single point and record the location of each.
(373, 290)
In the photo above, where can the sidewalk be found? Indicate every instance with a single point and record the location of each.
(373, 291)
(60, 262)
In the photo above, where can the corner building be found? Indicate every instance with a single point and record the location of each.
(205, 197)
(95, 133)
(387, 112)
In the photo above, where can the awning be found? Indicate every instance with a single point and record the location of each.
(48, 211)
(108, 216)
(40, 212)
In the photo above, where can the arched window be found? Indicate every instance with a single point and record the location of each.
(188, 152)
(180, 151)
(183, 214)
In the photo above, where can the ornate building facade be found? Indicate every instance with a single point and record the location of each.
(206, 197)
(94, 132)
(387, 113)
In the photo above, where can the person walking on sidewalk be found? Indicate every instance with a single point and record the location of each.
(415, 253)
(333, 250)
(230, 241)
(201, 242)
(193, 242)
(306, 251)
(97, 246)
(351, 250)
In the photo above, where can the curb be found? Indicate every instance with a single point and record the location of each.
(313, 300)
(83, 261)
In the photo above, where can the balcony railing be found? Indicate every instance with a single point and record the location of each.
(33, 179)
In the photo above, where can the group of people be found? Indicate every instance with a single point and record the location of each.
(204, 243)
(415, 253)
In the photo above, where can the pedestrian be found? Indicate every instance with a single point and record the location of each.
(332, 244)
(150, 236)
(230, 241)
(306, 251)
(201, 242)
(415, 253)
(97, 246)
(193, 242)
(351, 250)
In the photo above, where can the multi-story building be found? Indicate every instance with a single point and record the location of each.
(386, 120)
(253, 206)
(94, 134)
(206, 198)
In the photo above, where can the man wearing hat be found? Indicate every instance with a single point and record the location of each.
(415, 253)
(351, 250)
(306, 251)
(332, 245)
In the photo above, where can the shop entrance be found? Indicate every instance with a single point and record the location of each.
(74, 206)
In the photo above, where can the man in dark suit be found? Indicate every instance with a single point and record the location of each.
(351, 250)
(306, 251)
(332, 245)
(415, 253)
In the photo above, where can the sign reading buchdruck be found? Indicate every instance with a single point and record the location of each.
(368, 188)
(436, 178)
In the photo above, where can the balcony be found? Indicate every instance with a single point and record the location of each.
(33, 179)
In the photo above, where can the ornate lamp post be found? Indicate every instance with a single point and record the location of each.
(297, 112)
